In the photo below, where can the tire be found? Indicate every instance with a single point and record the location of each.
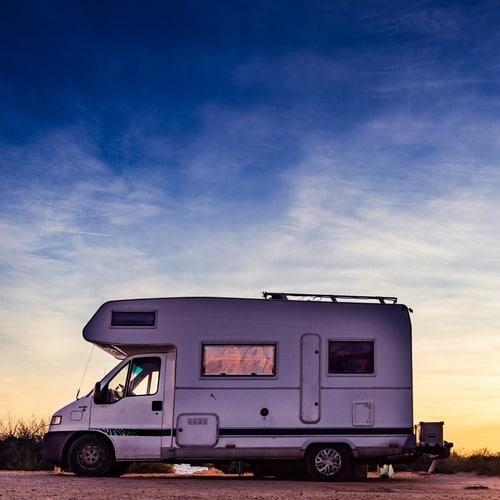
(328, 463)
(91, 455)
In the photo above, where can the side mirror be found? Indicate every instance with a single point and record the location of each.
(98, 396)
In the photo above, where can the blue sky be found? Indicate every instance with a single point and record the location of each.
(229, 147)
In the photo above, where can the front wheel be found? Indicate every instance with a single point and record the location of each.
(328, 463)
(91, 455)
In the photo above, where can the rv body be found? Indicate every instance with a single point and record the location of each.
(327, 383)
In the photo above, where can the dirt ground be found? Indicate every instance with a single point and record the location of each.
(53, 485)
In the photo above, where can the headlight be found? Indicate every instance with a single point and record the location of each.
(55, 420)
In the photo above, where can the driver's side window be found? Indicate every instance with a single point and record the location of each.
(144, 377)
(139, 378)
(116, 386)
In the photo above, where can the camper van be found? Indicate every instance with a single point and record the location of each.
(323, 382)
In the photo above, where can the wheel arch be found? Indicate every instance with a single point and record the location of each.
(343, 444)
(69, 442)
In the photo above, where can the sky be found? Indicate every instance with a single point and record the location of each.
(227, 147)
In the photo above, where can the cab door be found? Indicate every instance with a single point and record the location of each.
(129, 407)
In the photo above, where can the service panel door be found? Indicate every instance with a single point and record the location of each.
(131, 408)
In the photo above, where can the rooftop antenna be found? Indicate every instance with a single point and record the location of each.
(85, 371)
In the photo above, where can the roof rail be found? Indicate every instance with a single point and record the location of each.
(328, 297)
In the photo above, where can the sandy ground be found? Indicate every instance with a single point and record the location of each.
(51, 485)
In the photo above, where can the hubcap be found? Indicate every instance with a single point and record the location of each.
(91, 456)
(328, 461)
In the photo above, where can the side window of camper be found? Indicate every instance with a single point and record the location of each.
(238, 360)
(351, 356)
(144, 376)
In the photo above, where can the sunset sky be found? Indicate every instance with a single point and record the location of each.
(226, 147)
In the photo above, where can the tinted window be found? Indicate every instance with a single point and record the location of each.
(351, 356)
(133, 318)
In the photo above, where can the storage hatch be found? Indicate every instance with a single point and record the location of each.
(197, 429)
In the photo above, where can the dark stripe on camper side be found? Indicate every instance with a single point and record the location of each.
(135, 432)
(261, 432)
(316, 431)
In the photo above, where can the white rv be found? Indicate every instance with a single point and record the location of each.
(323, 381)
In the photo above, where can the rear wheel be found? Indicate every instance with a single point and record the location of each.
(91, 455)
(328, 463)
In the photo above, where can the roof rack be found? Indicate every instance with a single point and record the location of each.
(328, 297)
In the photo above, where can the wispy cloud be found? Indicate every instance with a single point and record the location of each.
(88, 233)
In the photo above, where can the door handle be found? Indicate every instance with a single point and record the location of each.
(157, 406)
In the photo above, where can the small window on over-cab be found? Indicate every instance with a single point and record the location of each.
(133, 318)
